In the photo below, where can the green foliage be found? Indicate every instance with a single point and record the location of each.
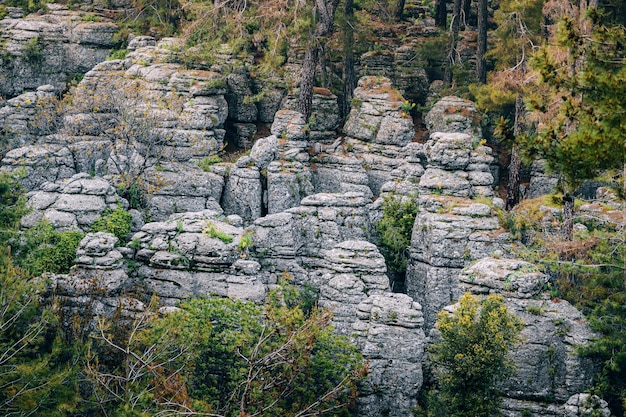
(117, 54)
(42, 249)
(395, 228)
(206, 163)
(471, 356)
(12, 205)
(29, 6)
(116, 221)
(39, 249)
(210, 230)
(226, 357)
(35, 374)
(245, 241)
(581, 100)
(33, 52)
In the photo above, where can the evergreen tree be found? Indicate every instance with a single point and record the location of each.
(471, 356)
(518, 33)
(580, 105)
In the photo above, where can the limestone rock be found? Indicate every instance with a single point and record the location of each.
(376, 116)
(455, 115)
(389, 332)
(548, 366)
(238, 95)
(579, 405)
(243, 194)
(287, 184)
(59, 41)
(541, 181)
(318, 224)
(264, 151)
(74, 203)
(289, 125)
(447, 235)
(509, 277)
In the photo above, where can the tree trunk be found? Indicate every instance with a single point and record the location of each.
(349, 77)
(399, 9)
(441, 13)
(454, 35)
(305, 103)
(512, 189)
(466, 8)
(568, 216)
(326, 11)
(481, 70)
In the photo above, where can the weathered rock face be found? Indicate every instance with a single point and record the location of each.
(51, 48)
(184, 121)
(21, 122)
(356, 271)
(399, 66)
(541, 181)
(447, 235)
(386, 326)
(375, 116)
(389, 331)
(457, 166)
(548, 368)
(454, 115)
(72, 204)
(194, 254)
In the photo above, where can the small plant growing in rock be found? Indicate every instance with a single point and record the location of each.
(210, 230)
(116, 222)
(395, 230)
(33, 53)
(246, 241)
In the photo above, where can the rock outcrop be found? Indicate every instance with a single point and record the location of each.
(72, 204)
(447, 235)
(549, 370)
(51, 48)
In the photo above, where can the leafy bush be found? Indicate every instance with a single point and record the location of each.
(227, 357)
(471, 356)
(206, 163)
(210, 230)
(117, 222)
(43, 249)
(118, 54)
(33, 52)
(395, 230)
(12, 205)
(35, 379)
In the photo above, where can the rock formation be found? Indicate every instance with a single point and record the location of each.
(302, 205)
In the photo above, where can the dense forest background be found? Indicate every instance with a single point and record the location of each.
(550, 77)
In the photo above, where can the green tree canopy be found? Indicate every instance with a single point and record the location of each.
(471, 356)
(581, 101)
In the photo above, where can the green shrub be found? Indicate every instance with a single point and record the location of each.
(33, 52)
(226, 357)
(12, 204)
(210, 230)
(118, 222)
(471, 356)
(205, 164)
(43, 249)
(35, 373)
(395, 229)
(117, 54)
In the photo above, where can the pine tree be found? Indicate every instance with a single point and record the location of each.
(518, 34)
(581, 102)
